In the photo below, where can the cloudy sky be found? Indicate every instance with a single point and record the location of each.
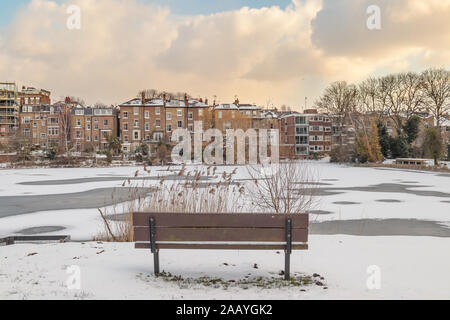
(259, 50)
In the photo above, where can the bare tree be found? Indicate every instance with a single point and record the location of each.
(65, 118)
(395, 94)
(368, 96)
(284, 188)
(414, 95)
(436, 86)
(340, 100)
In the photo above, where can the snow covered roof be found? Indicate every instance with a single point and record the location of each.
(445, 123)
(230, 106)
(172, 103)
(249, 107)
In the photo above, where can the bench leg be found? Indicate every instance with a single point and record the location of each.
(287, 265)
(156, 262)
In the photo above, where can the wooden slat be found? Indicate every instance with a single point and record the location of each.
(237, 220)
(220, 234)
(221, 246)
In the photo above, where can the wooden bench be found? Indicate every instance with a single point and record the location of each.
(157, 231)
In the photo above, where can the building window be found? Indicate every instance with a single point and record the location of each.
(53, 131)
(125, 138)
(200, 112)
(78, 122)
(147, 127)
(219, 115)
(300, 120)
(147, 115)
(136, 111)
(168, 116)
(180, 124)
(125, 115)
(136, 123)
(125, 127)
(136, 135)
(158, 123)
(190, 116)
(88, 138)
(179, 113)
(105, 122)
(157, 110)
(169, 128)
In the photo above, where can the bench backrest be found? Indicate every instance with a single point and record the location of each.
(220, 230)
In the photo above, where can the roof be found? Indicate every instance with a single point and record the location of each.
(172, 103)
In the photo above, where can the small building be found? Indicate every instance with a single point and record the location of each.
(411, 161)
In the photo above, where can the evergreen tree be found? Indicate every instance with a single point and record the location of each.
(384, 139)
(432, 145)
(411, 128)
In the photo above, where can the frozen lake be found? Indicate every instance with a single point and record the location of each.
(353, 200)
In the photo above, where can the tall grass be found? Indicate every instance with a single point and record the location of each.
(202, 190)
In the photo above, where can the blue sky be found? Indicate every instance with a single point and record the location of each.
(184, 7)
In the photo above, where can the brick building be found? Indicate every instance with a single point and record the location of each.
(153, 120)
(44, 124)
(30, 96)
(91, 128)
(304, 134)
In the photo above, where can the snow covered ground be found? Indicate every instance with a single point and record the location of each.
(405, 268)
(409, 266)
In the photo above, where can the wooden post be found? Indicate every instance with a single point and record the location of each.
(153, 246)
(287, 253)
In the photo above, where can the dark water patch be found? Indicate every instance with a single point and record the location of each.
(346, 202)
(97, 198)
(389, 200)
(385, 227)
(314, 183)
(320, 212)
(40, 230)
(106, 179)
(404, 170)
(384, 188)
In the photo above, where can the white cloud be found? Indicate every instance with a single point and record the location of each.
(282, 54)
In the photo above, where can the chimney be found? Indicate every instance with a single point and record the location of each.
(206, 101)
(236, 102)
(214, 103)
(186, 102)
(143, 97)
(164, 97)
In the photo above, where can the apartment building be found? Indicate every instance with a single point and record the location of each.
(9, 108)
(304, 134)
(45, 125)
(91, 128)
(30, 96)
(152, 120)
